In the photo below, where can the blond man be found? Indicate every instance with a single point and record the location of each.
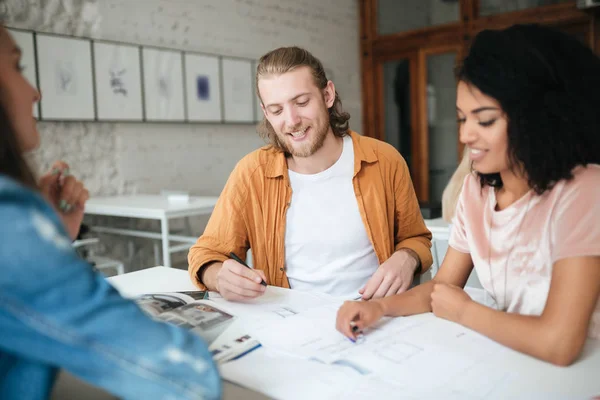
(322, 208)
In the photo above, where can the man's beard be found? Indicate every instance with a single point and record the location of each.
(309, 148)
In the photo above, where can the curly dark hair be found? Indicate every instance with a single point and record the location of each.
(286, 59)
(548, 85)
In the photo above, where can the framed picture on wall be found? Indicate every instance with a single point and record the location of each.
(118, 78)
(258, 112)
(163, 84)
(203, 88)
(26, 42)
(238, 96)
(65, 77)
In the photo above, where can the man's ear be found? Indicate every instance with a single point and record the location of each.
(262, 107)
(329, 94)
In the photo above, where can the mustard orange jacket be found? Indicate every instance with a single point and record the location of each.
(251, 210)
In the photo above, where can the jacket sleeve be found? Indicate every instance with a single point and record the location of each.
(410, 231)
(226, 229)
(55, 310)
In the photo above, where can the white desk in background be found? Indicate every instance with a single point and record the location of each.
(506, 374)
(440, 231)
(155, 207)
(439, 228)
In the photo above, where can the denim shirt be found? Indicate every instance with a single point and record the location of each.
(56, 312)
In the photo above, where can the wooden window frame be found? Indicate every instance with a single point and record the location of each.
(417, 45)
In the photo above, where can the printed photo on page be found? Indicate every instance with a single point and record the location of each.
(191, 310)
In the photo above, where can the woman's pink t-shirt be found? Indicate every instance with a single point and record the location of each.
(513, 250)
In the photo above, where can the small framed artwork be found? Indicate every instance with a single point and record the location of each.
(238, 95)
(118, 79)
(203, 88)
(26, 42)
(65, 76)
(163, 85)
(258, 112)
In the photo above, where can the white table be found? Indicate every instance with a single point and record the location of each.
(533, 379)
(151, 207)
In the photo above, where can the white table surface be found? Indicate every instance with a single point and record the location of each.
(533, 379)
(147, 206)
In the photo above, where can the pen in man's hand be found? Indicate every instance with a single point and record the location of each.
(236, 258)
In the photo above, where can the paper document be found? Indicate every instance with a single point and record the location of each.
(291, 378)
(275, 305)
(412, 353)
(190, 311)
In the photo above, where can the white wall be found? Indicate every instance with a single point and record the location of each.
(144, 157)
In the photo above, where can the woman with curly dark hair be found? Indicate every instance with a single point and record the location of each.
(527, 220)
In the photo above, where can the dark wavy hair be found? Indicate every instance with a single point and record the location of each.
(12, 162)
(548, 85)
(286, 59)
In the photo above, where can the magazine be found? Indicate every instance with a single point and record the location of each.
(193, 311)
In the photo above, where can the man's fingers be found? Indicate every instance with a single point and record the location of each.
(395, 288)
(404, 286)
(372, 285)
(244, 283)
(243, 293)
(262, 274)
(241, 270)
(384, 287)
(239, 284)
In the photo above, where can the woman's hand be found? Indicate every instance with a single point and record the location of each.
(354, 316)
(449, 302)
(66, 194)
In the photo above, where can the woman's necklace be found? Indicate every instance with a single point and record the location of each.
(493, 210)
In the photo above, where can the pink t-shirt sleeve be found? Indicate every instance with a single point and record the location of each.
(575, 225)
(458, 237)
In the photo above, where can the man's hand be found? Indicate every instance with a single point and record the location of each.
(236, 282)
(393, 276)
(449, 302)
(66, 194)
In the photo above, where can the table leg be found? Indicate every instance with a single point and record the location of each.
(164, 229)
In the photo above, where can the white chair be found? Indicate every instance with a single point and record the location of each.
(98, 262)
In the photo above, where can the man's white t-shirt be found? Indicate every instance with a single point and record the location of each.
(327, 249)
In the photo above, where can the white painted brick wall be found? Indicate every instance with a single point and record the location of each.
(144, 157)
